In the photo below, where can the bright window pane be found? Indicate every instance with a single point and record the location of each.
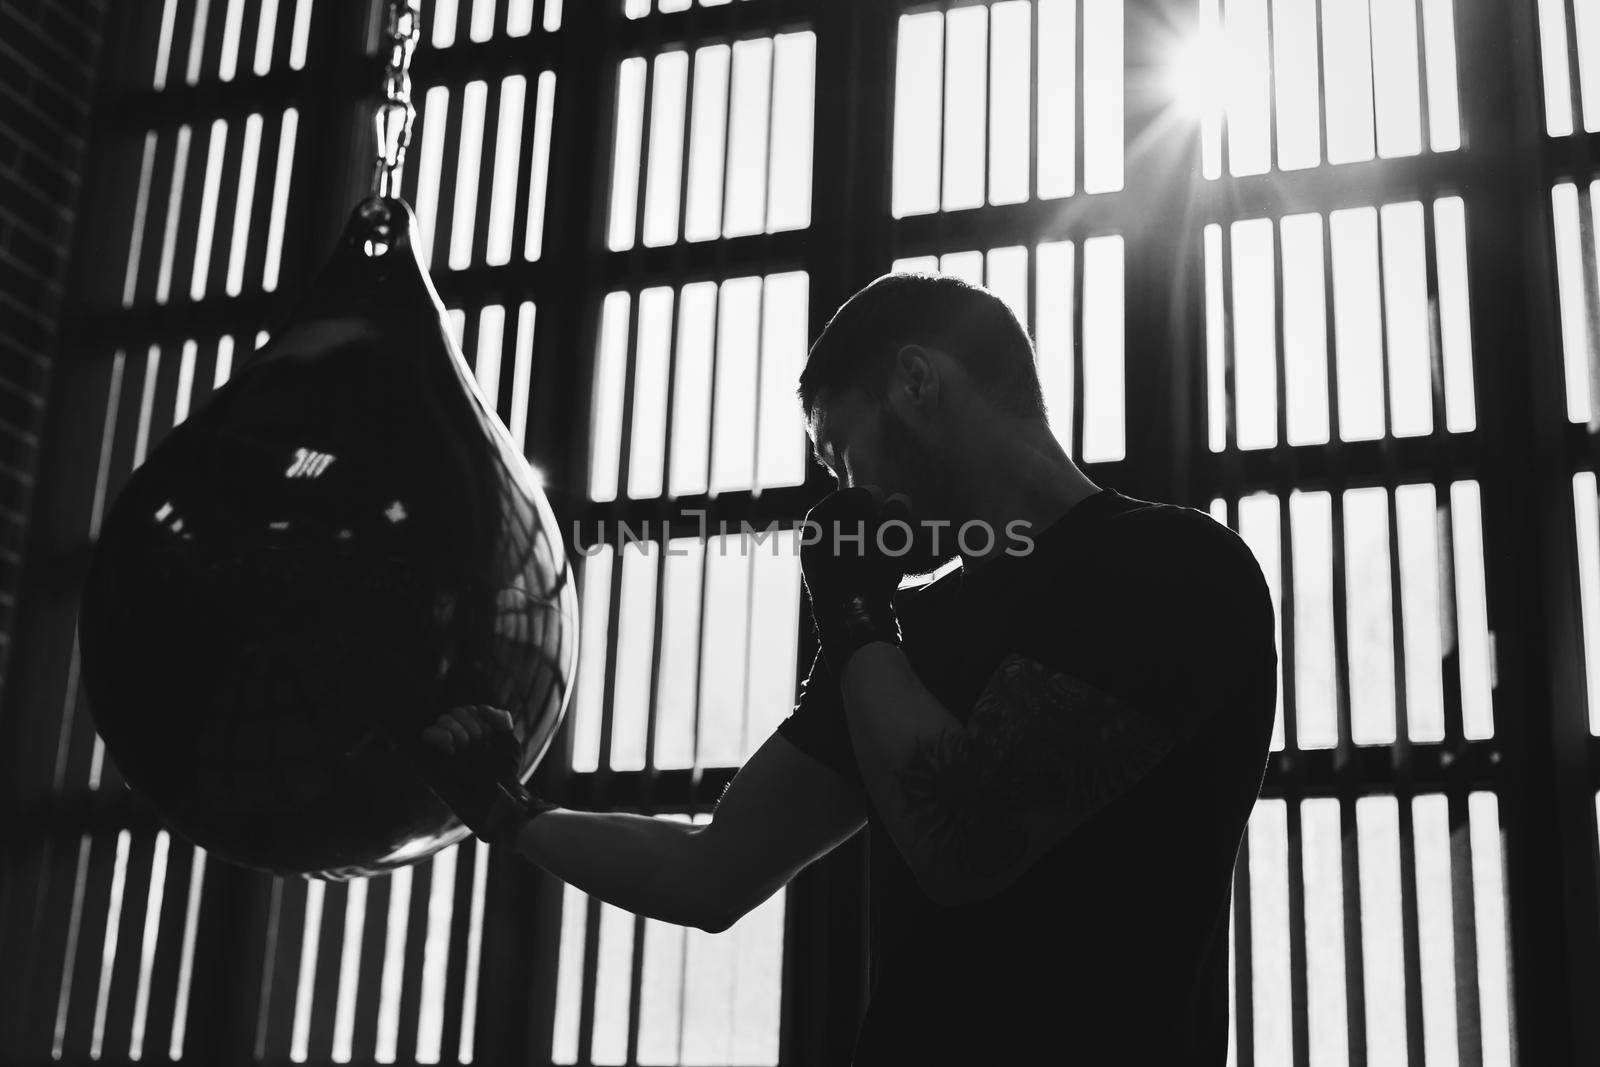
(1104, 412)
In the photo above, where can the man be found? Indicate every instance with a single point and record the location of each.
(1056, 746)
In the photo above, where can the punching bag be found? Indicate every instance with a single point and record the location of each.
(340, 546)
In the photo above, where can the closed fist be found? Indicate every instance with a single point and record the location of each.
(457, 729)
(472, 758)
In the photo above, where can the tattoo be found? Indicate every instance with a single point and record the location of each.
(1035, 739)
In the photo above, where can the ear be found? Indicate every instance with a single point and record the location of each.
(916, 380)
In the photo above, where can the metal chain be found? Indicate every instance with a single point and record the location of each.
(396, 115)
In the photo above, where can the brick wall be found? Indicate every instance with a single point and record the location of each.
(48, 50)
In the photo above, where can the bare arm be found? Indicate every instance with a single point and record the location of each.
(782, 811)
(622, 859)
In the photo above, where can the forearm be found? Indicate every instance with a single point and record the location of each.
(890, 715)
(635, 862)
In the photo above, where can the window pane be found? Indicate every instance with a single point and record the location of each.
(678, 684)
(1578, 302)
(1382, 940)
(966, 70)
(611, 366)
(1054, 265)
(1315, 676)
(1258, 527)
(1472, 615)
(1255, 334)
(1216, 342)
(507, 159)
(1369, 616)
(1489, 899)
(1058, 95)
(653, 356)
(1296, 70)
(588, 699)
(1102, 96)
(1104, 401)
(1421, 611)
(794, 79)
(1397, 81)
(635, 636)
(918, 80)
(1269, 932)
(666, 148)
(1435, 927)
(1347, 58)
(1010, 78)
(1587, 530)
(962, 113)
(1249, 87)
(626, 152)
(1455, 322)
(749, 115)
(1322, 857)
(1358, 323)
(1557, 73)
(1305, 330)
(1409, 340)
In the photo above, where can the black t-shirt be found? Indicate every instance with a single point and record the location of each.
(1112, 948)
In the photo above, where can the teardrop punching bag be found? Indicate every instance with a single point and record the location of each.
(341, 545)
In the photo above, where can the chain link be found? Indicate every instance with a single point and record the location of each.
(396, 114)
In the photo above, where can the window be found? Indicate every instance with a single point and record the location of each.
(1370, 914)
(1282, 259)
(215, 178)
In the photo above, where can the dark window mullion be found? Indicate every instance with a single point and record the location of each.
(1411, 934)
(488, 163)
(1080, 88)
(161, 1009)
(1285, 465)
(1078, 347)
(325, 977)
(1033, 104)
(155, 219)
(1229, 368)
(1444, 510)
(587, 983)
(1574, 64)
(642, 192)
(1354, 972)
(1322, 89)
(1463, 894)
(1299, 999)
(1243, 963)
(1341, 640)
(437, 257)
(1425, 104)
(1272, 91)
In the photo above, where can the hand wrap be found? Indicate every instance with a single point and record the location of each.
(850, 578)
(481, 783)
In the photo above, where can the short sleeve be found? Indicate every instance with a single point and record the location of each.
(817, 724)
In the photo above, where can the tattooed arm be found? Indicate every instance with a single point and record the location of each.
(973, 806)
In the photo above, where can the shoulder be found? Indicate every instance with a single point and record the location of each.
(1174, 542)
(1175, 526)
(1182, 572)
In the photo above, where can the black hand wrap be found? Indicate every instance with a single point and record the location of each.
(850, 579)
(481, 784)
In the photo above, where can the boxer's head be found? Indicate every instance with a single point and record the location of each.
(909, 380)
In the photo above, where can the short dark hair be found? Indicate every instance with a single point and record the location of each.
(977, 328)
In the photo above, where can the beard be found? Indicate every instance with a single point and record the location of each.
(923, 479)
